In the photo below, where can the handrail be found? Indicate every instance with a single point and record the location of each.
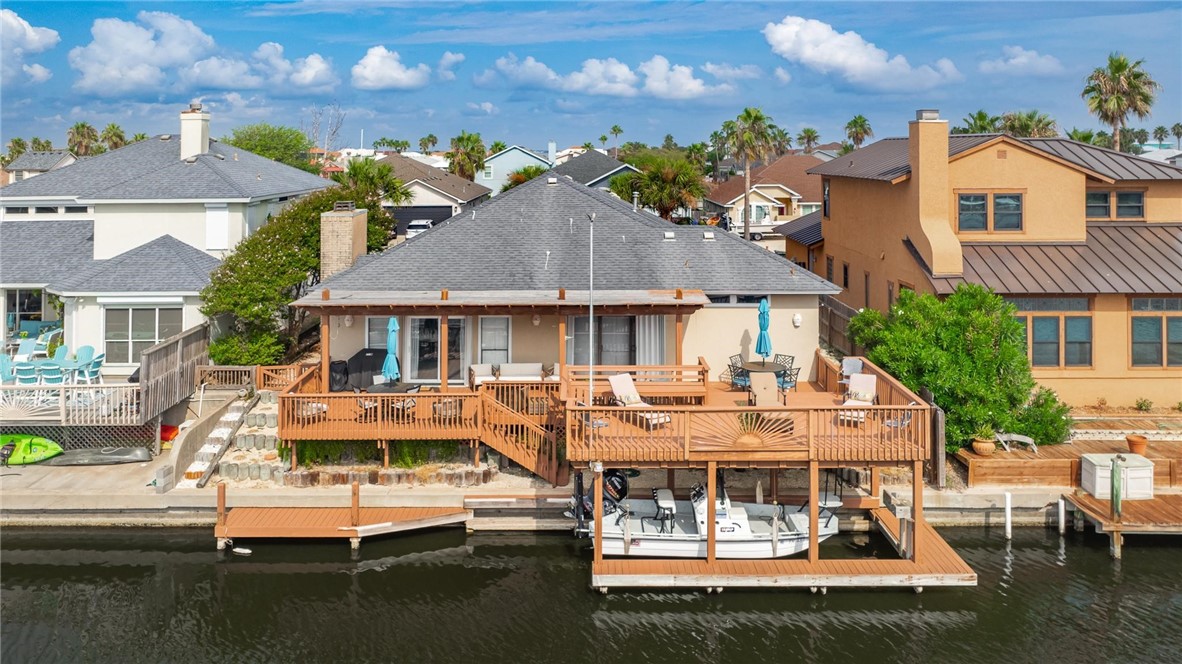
(72, 405)
(276, 377)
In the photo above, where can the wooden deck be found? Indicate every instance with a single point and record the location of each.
(937, 565)
(1059, 465)
(1162, 515)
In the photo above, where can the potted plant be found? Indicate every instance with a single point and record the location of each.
(984, 441)
(1137, 443)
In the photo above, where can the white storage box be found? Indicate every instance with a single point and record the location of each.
(1137, 472)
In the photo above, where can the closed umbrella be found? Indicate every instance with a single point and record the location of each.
(763, 345)
(390, 366)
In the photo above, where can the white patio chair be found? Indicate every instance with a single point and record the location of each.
(626, 395)
(863, 391)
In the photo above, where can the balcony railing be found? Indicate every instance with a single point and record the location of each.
(670, 383)
(72, 405)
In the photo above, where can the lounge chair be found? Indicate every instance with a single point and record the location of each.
(863, 392)
(849, 367)
(765, 393)
(1005, 439)
(24, 350)
(626, 395)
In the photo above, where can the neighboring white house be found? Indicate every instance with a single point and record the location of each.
(32, 164)
(436, 194)
(76, 223)
(497, 167)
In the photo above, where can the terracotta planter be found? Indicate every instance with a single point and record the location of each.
(983, 447)
(1137, 444)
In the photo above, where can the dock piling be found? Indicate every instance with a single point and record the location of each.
(1009, 516)
(1062, 517)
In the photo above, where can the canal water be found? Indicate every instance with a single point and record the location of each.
(164, 596)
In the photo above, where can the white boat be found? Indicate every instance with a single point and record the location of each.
(668, 528)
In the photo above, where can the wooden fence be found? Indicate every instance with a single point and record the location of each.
(168, 370)
(834, 320)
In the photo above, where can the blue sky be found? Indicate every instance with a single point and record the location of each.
(527, 73)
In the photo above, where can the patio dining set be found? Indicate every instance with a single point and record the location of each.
(780, 366)
(32, 364)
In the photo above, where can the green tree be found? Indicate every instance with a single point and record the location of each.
(717, 145)
(615, 131)
(113, 137)
(781, 140)
(1176, 130)
(523, 175)
(286, 145)
(1141, 136)
(273, 267)
(497, 146)
(136, 138)
(808, 138)
(603, 140)
(466, 156)
(668, 143)
(1029, 124)
(1103, 139)
(375, 179)
(1117, 90)
(1160, 134)
(970, 351)
(16, 147)
(40, 144)
(1082, 135)
(82, 139)
(696, 154)
(1128, 141)
(427, 143)
(980, 122)
(749, 137)
(858, 130)
(665, 186)
(846, 148)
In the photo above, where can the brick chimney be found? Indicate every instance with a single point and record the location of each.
(342, 238)
(194, 131)
(927, 147)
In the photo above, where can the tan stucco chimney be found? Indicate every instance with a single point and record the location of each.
(927, 147)
(342, 238)
(194, 131)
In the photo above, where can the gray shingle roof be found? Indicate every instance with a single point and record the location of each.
(888, 159)
(153, 170)
(409, 170)
(38, 252)
(588, 167)
(805, 230)
(37, 161)
(535, 237)
(164, 265)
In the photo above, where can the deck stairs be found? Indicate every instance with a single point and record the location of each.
(522, 440)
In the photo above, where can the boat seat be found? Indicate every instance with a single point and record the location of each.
(666, 509)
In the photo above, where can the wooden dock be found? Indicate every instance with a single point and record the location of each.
(351, 523)
(1059, 465)
(1162, 515)
(937, 565)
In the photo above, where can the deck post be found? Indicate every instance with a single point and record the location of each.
(355, 506)
(325, 358)
(221, 503)
(442, 351)
(711, 493)
(294, 460)
(916, 506)
(814, 512)
(598, 480)
(774, 484)
(876, 482)
(475, 453)
(677, 335)
(670, 479)
(561, 345)
(385, 444)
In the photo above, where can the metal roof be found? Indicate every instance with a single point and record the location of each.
(806, 230)
(1116, 165)
(888, 159)
(1124, 258)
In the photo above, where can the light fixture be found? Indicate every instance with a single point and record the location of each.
(536, 320)
(797, 320)
(348, 321)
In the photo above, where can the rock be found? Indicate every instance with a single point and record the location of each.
(272, 420)
(252, 471)
(279, 476)
(373, 476)
(265, 472)
(324, 478)
(271, 455)
(271, 442)
(228, 470)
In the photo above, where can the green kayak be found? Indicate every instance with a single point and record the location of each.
(23, 449)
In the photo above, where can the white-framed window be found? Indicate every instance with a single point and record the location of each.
(21, 305)
(615, 340)
(495, 336)
(375, 332)
(488, 172)
(129, 331)
(422, 349)
(718, 300)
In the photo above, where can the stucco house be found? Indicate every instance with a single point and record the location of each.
(436, 194)
(780, 191)
(32, 164)
(1085, 241)
(516, 283)
(99, 219)
(498, 166)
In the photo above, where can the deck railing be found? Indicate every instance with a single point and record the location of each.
(226, 376)
(72, 405)
(538, 402)
(168, 370)
(507, 430)
(671, 383)
(276, 377)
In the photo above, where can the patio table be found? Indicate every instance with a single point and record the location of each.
(71, 367)
(763, 367)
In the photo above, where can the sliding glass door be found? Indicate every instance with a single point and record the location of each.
(422, 348)
(615, 340)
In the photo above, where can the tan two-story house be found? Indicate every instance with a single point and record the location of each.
(1085, 241)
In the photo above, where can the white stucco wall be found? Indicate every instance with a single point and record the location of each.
(717, 332)
(120, 227)
(84, 320)
(425, 196)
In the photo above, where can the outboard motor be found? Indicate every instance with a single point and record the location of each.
(615, 490)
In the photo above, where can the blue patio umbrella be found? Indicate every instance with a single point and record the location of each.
(390, 366)
(763, 345)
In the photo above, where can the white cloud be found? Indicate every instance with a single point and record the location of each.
(220, 74)
(1020, 61)
(483, 108)
(314, 73)
(725, 72)
(818, 46)
(17, 39)
(666, 81)
(446, 63)
(311, 74)
(783, 76)
(125, 57)
(381, 69)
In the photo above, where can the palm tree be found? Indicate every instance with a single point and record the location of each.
(1128, 141)
(1160, 134)
(846, 148)
(113, 137)
(16, 147)
(717, 142)
(466, 156)
(523, 175)
(40, 144)
(665, 185)
(1082, 135)
(1141, 135)
(374, 178)
(496, 147)
(615, 131)
(588, 146)
(1176, 130)
(1118, 89)
(808, 138)
(1029, 124)
(980, 122)
(696, 154)
(858, 130)
(1103, 139)
(603, 140)
(749, 138)
(82, 139)
(781, 140)
(427, 142)
(136, 138)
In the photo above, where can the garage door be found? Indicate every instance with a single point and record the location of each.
(404, 215)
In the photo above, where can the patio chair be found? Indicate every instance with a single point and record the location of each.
(404, 409)
(61, 354)
(736, 360)
(849, 367)
(52, 376)
(626, 395)
(863, 391)
(902, 421)
(784, 360)
(480, 373)
(90, 373)
(367, 409)
(787, 379)
(25, 374)
(1005, 439)
(24, 351)
(6, 373)
(447, 410)
(44, 340)
(740, 377)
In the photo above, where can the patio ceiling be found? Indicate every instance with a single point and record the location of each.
(558, 302)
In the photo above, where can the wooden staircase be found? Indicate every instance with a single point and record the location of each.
(522, 440)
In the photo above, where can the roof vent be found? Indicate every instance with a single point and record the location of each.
(191, 160)
(670, 236)
(344, 206)
(165, 137)
(551, 180)
(708, 236)
(195, 107)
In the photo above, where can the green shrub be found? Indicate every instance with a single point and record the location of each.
(1178, 406)
(1045, 419)
(1144, 405)
(333, 452)
(248, 348)
(414, 453)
